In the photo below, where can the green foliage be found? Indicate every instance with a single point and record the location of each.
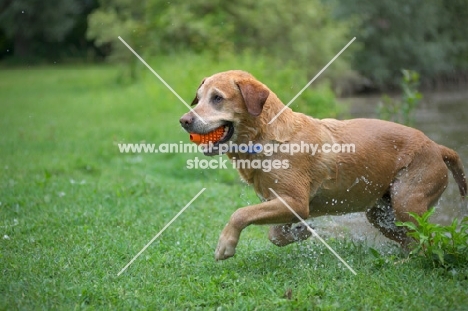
(455, 25)
(124, 18)
(423, 35)
(426, 36)
(302, 35)
(402, 111)
(319, 102)
(445, 246)
(24, 21)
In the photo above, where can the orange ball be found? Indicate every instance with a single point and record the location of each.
(212, 137)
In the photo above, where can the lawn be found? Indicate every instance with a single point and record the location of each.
(74, 211)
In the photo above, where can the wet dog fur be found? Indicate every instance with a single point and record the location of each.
(394, 170)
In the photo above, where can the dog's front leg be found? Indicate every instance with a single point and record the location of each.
(270, 212)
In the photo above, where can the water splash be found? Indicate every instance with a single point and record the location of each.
(354, 184)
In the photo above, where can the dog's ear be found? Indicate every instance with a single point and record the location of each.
(195, 100)
(255, 95)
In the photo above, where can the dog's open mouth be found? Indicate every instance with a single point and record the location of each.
(213, 139)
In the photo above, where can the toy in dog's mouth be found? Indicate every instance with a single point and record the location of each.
(214, 138)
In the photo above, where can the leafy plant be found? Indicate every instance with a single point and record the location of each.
(445, 246)
(402, 111)
(392, 39)
(268, 28)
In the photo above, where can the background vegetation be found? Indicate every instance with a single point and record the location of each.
(427, 36)
(420, 35)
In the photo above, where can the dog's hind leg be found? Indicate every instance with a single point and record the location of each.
(382, 217)
(282, 235)
(415, 189)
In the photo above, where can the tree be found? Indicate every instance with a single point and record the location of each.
(303, 33)
(119, 18)
(428, 36)
(25, 21)
(456, 25)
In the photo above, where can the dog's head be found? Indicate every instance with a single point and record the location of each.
(229, 100)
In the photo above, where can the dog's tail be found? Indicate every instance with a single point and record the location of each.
(453, 162)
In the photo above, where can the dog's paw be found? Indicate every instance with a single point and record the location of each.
(225, 249)
(282, 235)
(300, 233)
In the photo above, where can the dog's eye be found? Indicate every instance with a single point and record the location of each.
(217, 99)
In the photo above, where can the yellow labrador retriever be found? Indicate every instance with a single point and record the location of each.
(392, 170)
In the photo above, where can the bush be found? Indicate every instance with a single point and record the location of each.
(402, 111)
(304, 33)
(426, 36)
(445, 246)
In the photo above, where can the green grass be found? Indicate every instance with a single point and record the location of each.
(74, 211)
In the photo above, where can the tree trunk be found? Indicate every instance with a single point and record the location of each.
(21, 46)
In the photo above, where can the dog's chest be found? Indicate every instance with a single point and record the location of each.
(259, 180)
(246, 165)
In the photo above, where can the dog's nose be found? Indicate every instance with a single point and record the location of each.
(186, 120)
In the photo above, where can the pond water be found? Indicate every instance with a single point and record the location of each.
(443, 117)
